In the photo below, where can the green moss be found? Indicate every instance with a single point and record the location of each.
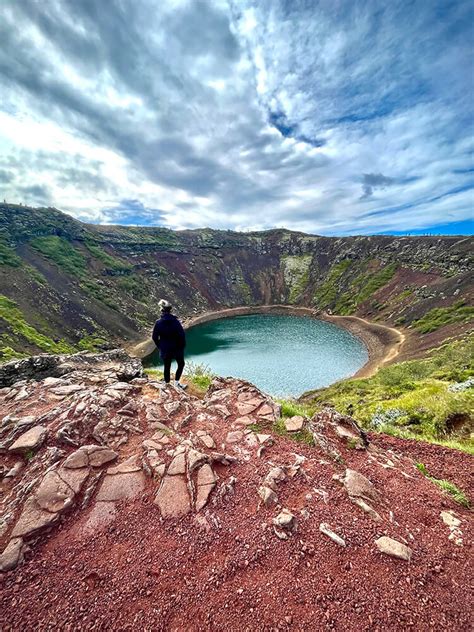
(10, 313)
(446, 486)
(290, 408)
(99, 292)
(200, 375)
(8, 353)
(91, 342)
(327, 292)
(35, 275)
(402, 296)
(459, 312)
(8, 256)
(62, 253)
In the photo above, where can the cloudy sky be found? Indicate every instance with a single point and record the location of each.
(327, 116)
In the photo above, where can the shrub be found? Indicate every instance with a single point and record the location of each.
(199, 374)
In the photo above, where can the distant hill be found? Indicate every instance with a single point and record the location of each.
(66, 285)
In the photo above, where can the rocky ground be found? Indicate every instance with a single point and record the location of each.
(130, 505)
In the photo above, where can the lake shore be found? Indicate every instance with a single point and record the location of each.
(383, 343)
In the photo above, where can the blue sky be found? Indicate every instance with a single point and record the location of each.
(334, 117)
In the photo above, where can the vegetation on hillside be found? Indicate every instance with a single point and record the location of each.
(8, 256)
(351, 283)
(112, 264)
(459, 312)
(426, 398)
(12, 315)
(62, 253)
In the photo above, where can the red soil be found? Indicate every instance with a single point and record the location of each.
(143, 573)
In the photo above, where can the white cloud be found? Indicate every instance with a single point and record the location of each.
(253, 114)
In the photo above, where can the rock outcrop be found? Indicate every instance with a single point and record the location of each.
(116, 476)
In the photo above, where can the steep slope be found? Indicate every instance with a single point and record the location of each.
(130, 505)
(66, 285)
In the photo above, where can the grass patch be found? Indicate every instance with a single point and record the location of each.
(99, 292)
(62, 253)
(156, 374)
(363, 287)
(8, 256)
(92, 342)
(291, 407)
(200, 375)
(135, 287)
(11, 314)
(438, 317)
(446, 486)
(36, 275)
(8, 353)
(302, 436)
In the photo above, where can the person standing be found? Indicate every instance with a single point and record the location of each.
(168, 335)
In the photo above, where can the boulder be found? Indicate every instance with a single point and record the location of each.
(12, 555)
(53, 494)
(94, 455)
(267, 495)
(294, 424)
(450, 519)
(234, 436)
(358, 485)
(207, 440)
(30, 440)
(32, 519)
(245, 408)
(130, 465)
(121, 486)
(173, 498)
(275, 476)
(285, 520)
(178, 465)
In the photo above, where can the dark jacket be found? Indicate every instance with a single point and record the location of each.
(168, 335)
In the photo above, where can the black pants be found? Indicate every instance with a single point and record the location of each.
(168, 359)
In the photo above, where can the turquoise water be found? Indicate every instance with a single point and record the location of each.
(282, 355)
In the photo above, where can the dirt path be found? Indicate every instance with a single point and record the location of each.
(383, 343)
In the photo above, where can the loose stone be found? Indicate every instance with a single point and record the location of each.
(392, 547)
(326, 529)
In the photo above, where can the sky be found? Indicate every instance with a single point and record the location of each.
(331, 117)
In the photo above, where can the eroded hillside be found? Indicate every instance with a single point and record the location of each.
(68, 286)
